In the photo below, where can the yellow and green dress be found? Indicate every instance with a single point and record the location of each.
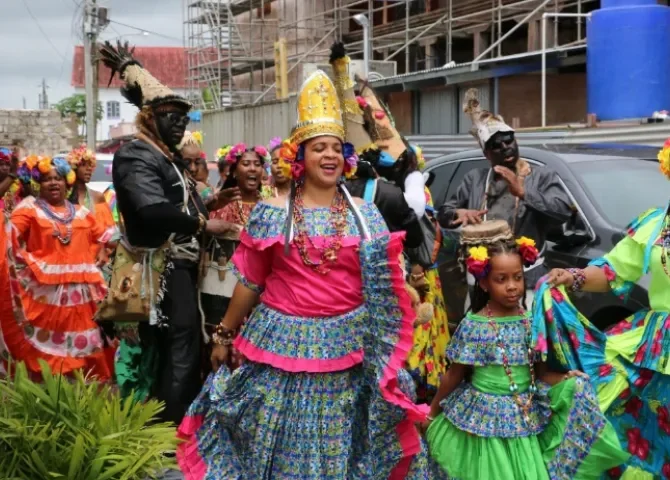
(629, 364)
(483, 433)
(427, 361)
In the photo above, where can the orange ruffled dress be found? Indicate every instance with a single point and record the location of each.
(54, 291)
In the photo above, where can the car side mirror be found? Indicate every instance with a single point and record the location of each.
(568, 234)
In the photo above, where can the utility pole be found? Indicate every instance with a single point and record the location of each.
(95, 18)
(90, 34)
(43, 97)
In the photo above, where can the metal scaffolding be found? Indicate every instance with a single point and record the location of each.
(230, 43)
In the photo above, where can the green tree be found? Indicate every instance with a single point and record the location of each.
(75, 105)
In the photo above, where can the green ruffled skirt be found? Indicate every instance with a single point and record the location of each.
(568, 437)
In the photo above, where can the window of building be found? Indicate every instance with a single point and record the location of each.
(113, 109)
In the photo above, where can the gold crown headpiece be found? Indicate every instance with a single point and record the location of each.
(319, 110)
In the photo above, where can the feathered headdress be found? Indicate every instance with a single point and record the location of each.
(142, 88)
(484, 123)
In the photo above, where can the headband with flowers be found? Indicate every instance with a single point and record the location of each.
(222, 152)
(275, 143)
(32, 168)
(5, 157)
(81, 155)
(292, 159)
(235, 153)
(664, 158)
(478, 261)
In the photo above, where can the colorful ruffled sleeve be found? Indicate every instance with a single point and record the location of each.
(628, 261)
(388, 340)
(22, 218)
(251, 263)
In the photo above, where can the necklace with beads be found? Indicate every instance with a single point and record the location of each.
(665, 245)
(524, 405)
(328, 254)
(57, 220)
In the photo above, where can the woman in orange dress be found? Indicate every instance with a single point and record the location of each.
(54, 281)
(83, 163)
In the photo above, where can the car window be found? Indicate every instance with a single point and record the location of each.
(616, 188)
(463, 168)
(100, 173)
(443, 174)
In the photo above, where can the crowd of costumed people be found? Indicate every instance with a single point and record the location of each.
(283, 300)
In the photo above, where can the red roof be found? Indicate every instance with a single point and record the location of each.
(167, 64)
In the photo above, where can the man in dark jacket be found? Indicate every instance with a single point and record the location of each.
(158, 203)
(530, 199)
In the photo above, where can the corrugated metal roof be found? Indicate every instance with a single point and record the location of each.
(649, 134)
(466, 67)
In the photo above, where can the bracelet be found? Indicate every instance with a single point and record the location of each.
(13, 176)
(223, 335)
(579, 279)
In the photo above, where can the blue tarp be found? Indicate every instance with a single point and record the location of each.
(195, 116)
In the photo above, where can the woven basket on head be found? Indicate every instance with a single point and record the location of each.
(490, 231)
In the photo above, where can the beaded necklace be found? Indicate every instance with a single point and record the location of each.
(665, 244)
(57, 219)
(526, 405)
(338, 219)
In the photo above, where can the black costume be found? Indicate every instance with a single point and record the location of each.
(159, 203)
(150, 196)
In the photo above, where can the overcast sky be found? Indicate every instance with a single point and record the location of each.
(27, 54)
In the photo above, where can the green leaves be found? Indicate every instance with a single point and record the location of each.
(77, 429)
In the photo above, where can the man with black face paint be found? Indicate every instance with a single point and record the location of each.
(160, 209)
(529, 199)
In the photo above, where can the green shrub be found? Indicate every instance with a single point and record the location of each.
(76, 429)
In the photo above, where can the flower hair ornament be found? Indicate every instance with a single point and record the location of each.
(292, 160)
(527, 250)
(236, 151)
(5, 156)
(34, 166)
(81, 155)
(664, 159)
(478, 262)
(275, 143)
(222, 152)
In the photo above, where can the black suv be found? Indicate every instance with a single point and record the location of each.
(609, 184)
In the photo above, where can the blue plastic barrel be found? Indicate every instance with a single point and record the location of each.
(628, 59)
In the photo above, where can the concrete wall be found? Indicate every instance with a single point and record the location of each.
(37, 131)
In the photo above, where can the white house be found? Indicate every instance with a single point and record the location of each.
(167, 64)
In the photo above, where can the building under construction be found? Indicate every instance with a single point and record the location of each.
(423, 54)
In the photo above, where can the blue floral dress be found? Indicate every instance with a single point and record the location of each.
(321, 394)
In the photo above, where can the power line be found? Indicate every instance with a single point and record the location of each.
(148, 31)
(48, 39)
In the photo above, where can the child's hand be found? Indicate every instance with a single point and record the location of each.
(575, 373)
(423, 426)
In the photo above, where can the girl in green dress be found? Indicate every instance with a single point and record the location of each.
(499, 414)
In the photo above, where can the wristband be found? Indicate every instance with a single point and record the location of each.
(579, 279)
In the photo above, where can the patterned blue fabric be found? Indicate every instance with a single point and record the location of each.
(313, 338)
(490, 415)
(584, 426)
(474, 342)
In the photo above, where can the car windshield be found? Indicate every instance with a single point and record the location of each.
(624, 188)
(100, 173)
